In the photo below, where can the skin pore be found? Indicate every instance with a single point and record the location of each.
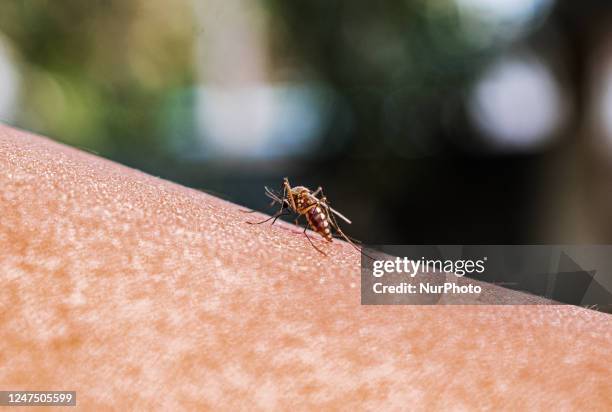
(139, 293)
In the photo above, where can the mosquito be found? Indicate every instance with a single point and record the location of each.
(300, 200)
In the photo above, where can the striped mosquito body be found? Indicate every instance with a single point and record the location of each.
(313, 205)
(316, 215)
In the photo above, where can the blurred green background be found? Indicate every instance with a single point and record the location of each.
(444, 121)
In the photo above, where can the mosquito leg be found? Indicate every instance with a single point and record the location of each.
(360, 250)
(342, 234)
(287, 194)
(313, 245)
(279, 215)
(275, 216)
(319, 190)
(345, 237)
(253, 211)
(339, 236)
(335, 225)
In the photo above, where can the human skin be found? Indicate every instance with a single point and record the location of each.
(138, 293)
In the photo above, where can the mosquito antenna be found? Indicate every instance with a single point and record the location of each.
(274, 196)
(271, 195)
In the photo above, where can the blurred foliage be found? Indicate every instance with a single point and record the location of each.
(399, 64)
(96, 73)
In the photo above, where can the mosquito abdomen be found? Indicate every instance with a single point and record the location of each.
(319, 222)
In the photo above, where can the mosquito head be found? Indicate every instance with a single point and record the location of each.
(299, 192)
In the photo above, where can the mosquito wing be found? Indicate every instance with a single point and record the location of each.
(340, 215)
